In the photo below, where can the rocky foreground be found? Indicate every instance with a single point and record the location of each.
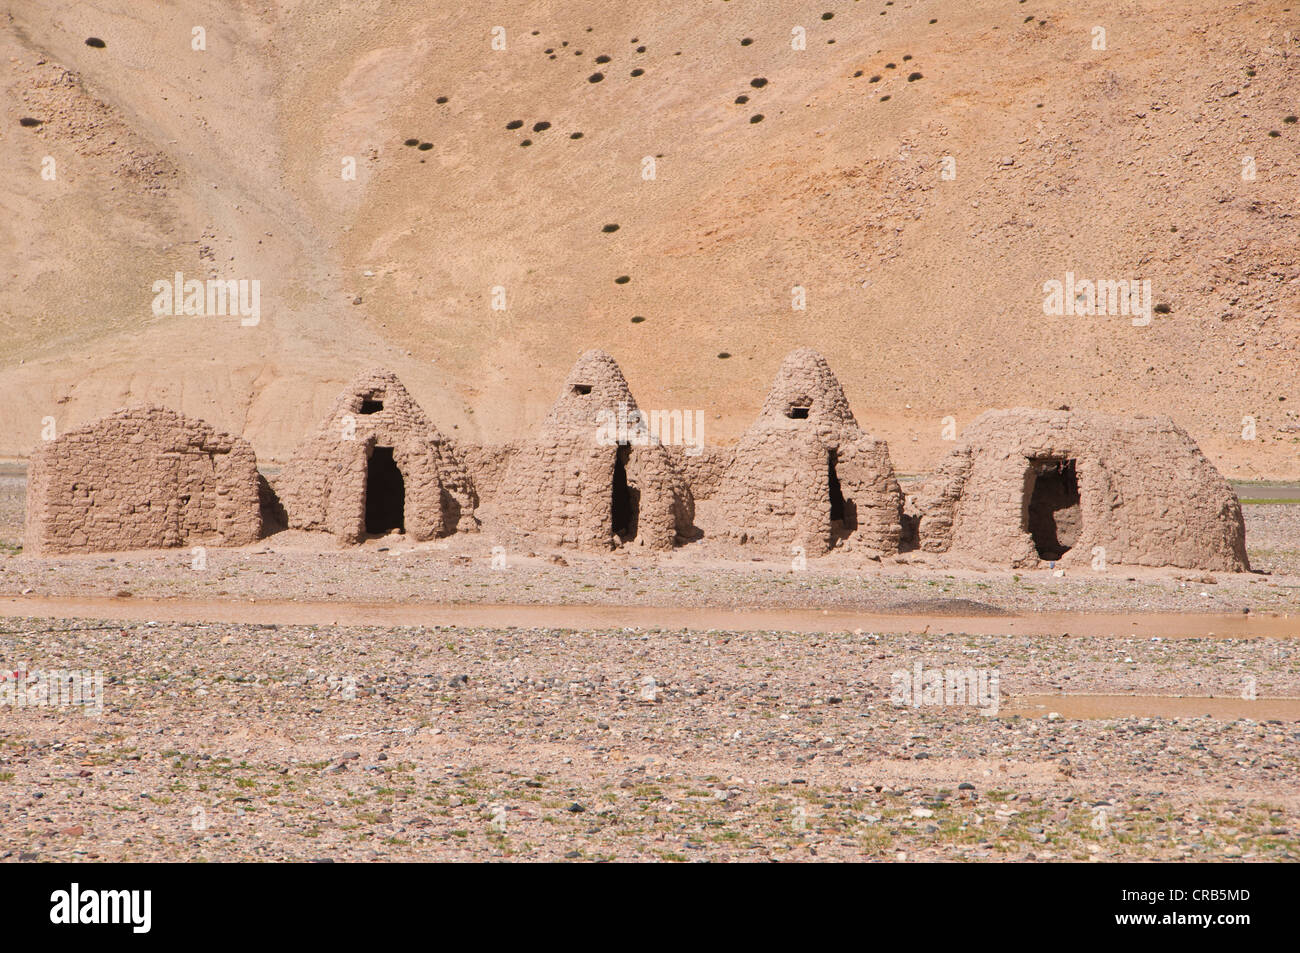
(229, 742)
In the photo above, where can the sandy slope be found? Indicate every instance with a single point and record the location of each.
(926, 294)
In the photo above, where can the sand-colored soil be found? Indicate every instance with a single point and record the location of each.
(926, 293)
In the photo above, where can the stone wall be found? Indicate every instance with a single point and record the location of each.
(1021, 487)
(487, 465)
(703, 471)
(1146, 494)
(563, 485)
(324, 485)
(141, 478)
(778, 489)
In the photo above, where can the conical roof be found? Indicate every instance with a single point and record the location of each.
(805, 388)
(375, 410)
(378, 393)
(594, 384)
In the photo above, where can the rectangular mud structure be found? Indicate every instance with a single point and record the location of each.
(141, 478)
(1024, 487)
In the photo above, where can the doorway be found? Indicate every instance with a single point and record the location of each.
(385, 493)
(623, 498)
(844, 513)
(1054, 516)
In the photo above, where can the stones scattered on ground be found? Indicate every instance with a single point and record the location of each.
(440, 742)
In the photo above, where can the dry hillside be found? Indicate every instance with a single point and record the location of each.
(773, 168)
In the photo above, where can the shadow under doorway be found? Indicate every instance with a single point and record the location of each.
(624, 498)
(385, 494)
(844, 512)
(1054, 516)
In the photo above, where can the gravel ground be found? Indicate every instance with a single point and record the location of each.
(225, 742)
(234, 741)
(13, 496)
(1273, 537)
(461, 571)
